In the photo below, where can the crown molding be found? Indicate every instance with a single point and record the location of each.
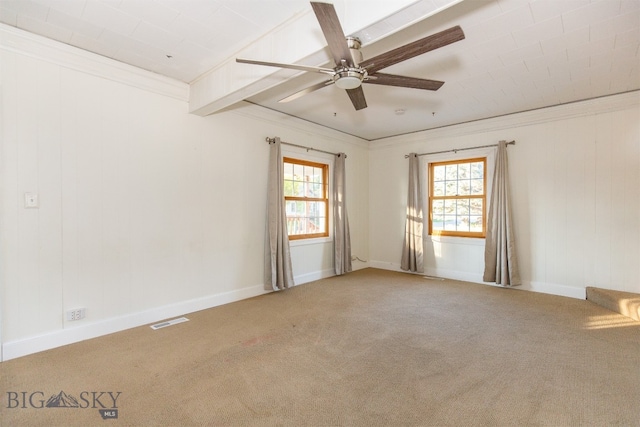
(266, 115)
(15, 40)
(600, 105)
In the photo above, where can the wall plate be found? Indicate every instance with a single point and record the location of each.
(30, 200)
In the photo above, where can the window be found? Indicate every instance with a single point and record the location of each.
(457, 198)
(306, 198)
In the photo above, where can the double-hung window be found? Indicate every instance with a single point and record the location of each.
(306, 191)
(457, 198)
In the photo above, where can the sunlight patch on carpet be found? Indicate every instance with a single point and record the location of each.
(609, 321)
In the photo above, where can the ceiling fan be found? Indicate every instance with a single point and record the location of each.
(351, 71)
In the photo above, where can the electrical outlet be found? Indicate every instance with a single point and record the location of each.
(75, 314)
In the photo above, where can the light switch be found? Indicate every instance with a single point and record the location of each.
(30, 200)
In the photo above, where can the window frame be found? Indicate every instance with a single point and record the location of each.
(449, 233)
(325, 198)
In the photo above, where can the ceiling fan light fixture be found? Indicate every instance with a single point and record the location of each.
(348, 82)
(348, 78)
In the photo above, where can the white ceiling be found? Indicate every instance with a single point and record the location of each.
(196, 34)
(518, 55)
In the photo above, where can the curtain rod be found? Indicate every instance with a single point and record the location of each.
(271, 140)
(455, 150)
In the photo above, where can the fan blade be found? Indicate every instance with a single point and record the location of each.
(357, 98)
(306, 91)
(413, 49)
(402, 81)
(333, 33)
(292, 66)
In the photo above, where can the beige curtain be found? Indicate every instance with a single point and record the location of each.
(278, 273)
(341, 236)
(500, 263)
(412, 251)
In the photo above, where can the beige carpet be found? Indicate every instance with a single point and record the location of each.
(372, 348)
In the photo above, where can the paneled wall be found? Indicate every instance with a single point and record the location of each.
(574, 176)
(145, 211)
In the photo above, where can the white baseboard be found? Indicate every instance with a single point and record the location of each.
(434, 272)
(545, 288)
(316, 275)
(70, 335)
(391, 266)
(455, 275)
(556, 289)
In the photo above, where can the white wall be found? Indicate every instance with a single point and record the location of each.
(146, 211)
(574, 176)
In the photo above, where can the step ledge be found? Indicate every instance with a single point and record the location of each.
(625, 303)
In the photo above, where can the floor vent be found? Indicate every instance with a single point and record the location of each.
(169, 323)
